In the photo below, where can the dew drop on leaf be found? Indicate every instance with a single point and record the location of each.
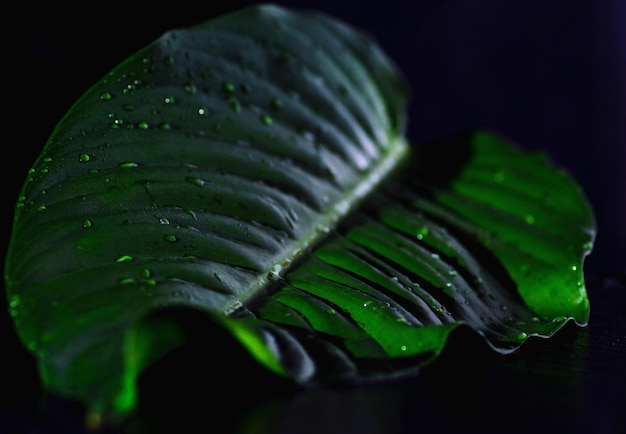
(422, 232)
(170, 238)
(124, 258)
(228, 86)
(195, 181)
(267, 120)
(83, 158)
(234, 104)
(14, 303)
(87, 223)
(128, 164)
(275, 103)
(191, 89)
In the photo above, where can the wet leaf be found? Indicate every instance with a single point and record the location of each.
(253, 171)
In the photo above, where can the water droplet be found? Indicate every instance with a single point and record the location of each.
(521, 336)
(191, 89)
(14, 301)
(234, 104)
(143, 125)
(145, 273)
(87, 223)
(106, 96)
(195, 181)
(201, 111)
(117, 123)
(170, 238)
(164, 126)
(574, 268)
(217, 277)
(228, 86)
(267, 120)
(276, 103)
(164, 221)
(41, 208)
(124, 258)
(126, 280)
(309, 136)
(331, 311)
(169, 100)
(14, 304)
(422, 232)
(127, 164)
(402, 347)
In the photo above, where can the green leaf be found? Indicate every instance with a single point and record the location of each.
(253, 171)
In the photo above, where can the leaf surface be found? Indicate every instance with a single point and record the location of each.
(254, 169)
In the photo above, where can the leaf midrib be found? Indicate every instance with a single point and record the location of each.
(398, 148)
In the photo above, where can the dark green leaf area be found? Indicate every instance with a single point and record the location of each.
(412, 264)
(219, 148)
(191, 176)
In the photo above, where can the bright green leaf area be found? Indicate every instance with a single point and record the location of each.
(252, 172)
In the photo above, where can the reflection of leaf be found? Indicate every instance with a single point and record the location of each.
(252, 170)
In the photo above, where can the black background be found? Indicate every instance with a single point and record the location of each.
(549, 74)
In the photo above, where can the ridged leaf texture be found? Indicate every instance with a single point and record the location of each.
(253, 170)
